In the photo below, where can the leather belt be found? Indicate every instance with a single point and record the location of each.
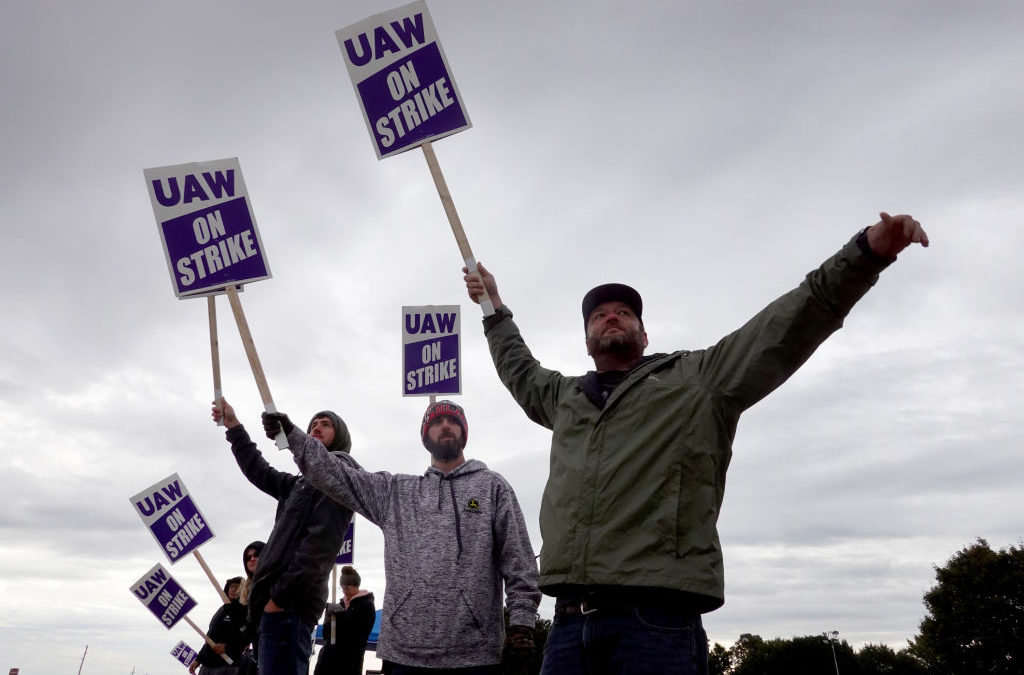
(590, 602)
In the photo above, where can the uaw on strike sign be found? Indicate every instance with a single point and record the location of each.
(184, 653)
(163, 596)
(430, 349)
(402, 79)
(174, 519)
(207, 226)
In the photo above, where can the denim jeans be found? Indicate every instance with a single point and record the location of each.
(286, 642)
(627, 641)
(471, 670)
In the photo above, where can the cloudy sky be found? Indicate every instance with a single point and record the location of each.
(709, 154)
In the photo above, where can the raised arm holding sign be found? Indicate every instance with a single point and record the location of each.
(289, 586)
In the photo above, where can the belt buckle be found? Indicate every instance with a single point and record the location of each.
(583, 608)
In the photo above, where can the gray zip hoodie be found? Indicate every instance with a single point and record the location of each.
(450, 540)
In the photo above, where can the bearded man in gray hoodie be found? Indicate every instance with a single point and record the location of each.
(452, 537)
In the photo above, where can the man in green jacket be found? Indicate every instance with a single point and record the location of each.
(639, 452)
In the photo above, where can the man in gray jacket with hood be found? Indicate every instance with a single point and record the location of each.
(452, 536)
(289, 585)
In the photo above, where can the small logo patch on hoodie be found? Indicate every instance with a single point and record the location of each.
(472, 505)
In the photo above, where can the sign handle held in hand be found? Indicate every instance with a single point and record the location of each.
(453, 220)
(209, 574)
(207, 638)
(215, 354)
(254, 360)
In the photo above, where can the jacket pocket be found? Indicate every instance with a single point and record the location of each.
(417, 620)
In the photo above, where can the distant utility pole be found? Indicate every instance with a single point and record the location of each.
(832, 638)
(83, 659)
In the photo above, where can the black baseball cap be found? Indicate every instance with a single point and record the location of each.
(612, 293)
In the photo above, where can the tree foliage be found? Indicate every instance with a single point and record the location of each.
(807, 655)
(883, 660)
(975, 614)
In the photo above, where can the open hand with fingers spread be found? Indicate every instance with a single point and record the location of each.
(889, 236)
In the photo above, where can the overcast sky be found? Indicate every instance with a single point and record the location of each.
(709, 154)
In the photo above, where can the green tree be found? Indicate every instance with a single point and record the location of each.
(883, 660)
(719, 660)
(806, 655)
(975, 614)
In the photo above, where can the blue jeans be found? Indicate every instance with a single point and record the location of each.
(286, 642)
(627, 641)
(471, 670)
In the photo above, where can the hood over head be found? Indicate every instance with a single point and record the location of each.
(342, 440)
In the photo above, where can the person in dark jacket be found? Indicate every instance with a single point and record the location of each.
(250, 558)
(228, 632)
(353, 620)
(289, 587)
(639, 452)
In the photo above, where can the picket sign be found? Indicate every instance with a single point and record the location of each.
(454, 221)
(183, 653)
(407, 95)
(171, 494)
(254, 360)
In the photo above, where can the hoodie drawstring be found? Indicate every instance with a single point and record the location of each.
(455, 509)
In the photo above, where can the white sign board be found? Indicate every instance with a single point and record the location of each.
(163, 596)
(431, 349)
(207, 226)
(167, 509)
(184, 653)
(402, 79)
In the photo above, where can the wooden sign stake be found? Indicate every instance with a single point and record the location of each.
(206, 638)
(211, 308)
(209, 574)
(453, 220)
(254, 360)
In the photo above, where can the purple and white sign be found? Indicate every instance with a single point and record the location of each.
(346, 554)
(431, 350)
(163, 596)
(184, 653)
(207, 226)
(402, 79)
(168, 511)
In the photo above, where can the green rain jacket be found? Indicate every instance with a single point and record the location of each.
(635, 488)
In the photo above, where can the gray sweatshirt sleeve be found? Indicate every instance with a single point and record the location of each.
(340, 477)
(518, 566)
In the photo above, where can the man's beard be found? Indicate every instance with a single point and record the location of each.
(624, 343)
(446, 449)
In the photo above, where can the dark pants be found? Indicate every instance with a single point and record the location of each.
(627, 641)
(286, 642)
(397, 669)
